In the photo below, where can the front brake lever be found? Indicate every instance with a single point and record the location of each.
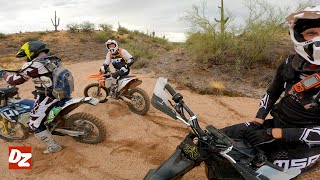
(178, 108)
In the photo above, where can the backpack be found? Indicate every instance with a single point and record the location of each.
(62, 79)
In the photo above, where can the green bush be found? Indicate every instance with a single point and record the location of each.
(122, 40)
(73, 27)
(140, 63)
(87, 26)
(103, 36)
(139, 50)
(106, 27)
(123, 30)
(159, 40)
(247, 46)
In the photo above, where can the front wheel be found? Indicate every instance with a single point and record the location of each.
(140, 101)
(10, 131)
(94, 129)
(96, 91)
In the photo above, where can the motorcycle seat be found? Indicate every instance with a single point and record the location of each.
(130, 76)
(8, 92)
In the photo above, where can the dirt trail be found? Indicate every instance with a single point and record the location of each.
(134, 143)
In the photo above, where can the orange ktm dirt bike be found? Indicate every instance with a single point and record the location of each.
(124, 89)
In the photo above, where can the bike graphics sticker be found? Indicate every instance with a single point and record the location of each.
(192, 151)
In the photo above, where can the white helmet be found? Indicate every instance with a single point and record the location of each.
(112, 50)
(299, 22)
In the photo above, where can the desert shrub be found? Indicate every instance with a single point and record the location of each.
(159, 40)
(168, 47)
(30, 38)
(131, 37)
(139, 50)
(244, 47)
(82, 40)
(73, 27)
(122, 40)
(123, 30)
(2, 36)
(87, 26)
(43, 33)
(106, 27)
(103, 36)
(141, 63)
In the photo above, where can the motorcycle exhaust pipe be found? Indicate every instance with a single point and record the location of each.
(125, 99)
(69, 132)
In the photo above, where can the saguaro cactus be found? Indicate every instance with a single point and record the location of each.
(55, 23)
(222, 20)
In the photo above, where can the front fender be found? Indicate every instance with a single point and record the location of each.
(174, 167)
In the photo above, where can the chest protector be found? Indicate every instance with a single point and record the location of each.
(294, 70)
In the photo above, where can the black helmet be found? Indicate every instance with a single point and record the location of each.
(32, 49)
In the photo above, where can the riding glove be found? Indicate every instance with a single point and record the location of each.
(260, 137)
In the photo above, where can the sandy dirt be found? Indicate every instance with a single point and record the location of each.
(134, 143)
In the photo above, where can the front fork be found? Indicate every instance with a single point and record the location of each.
(5, 127)
(101, 84)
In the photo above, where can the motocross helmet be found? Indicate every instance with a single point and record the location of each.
(299, 22)
(32, 49)
(112, 50)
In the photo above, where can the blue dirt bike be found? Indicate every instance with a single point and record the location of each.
(15, 113)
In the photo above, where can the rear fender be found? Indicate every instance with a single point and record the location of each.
(128, 83)
(73, 103)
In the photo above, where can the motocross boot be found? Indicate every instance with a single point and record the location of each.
(46, 137)
(113, 87)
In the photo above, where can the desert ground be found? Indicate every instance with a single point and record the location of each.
(134, 143)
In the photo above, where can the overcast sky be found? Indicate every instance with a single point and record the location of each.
(161, 16)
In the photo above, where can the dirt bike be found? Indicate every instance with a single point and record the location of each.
(245, 161)
(125, 89)
(15, 113)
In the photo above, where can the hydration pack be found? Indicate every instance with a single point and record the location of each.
(62, 79)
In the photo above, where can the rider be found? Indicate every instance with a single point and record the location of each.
(291, 138)
(37, 51)
(120, 59)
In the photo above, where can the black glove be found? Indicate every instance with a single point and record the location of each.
(239, 131)
(260, 137)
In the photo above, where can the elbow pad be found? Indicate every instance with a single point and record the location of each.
(130, 62)
(104, 68)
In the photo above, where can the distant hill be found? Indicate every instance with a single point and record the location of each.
(152, 54)
(81, 46)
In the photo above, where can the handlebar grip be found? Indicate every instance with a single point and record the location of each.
(170, 89)
(221, 136)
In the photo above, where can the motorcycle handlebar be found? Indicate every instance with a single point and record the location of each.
(170, 89)
(177, 97)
